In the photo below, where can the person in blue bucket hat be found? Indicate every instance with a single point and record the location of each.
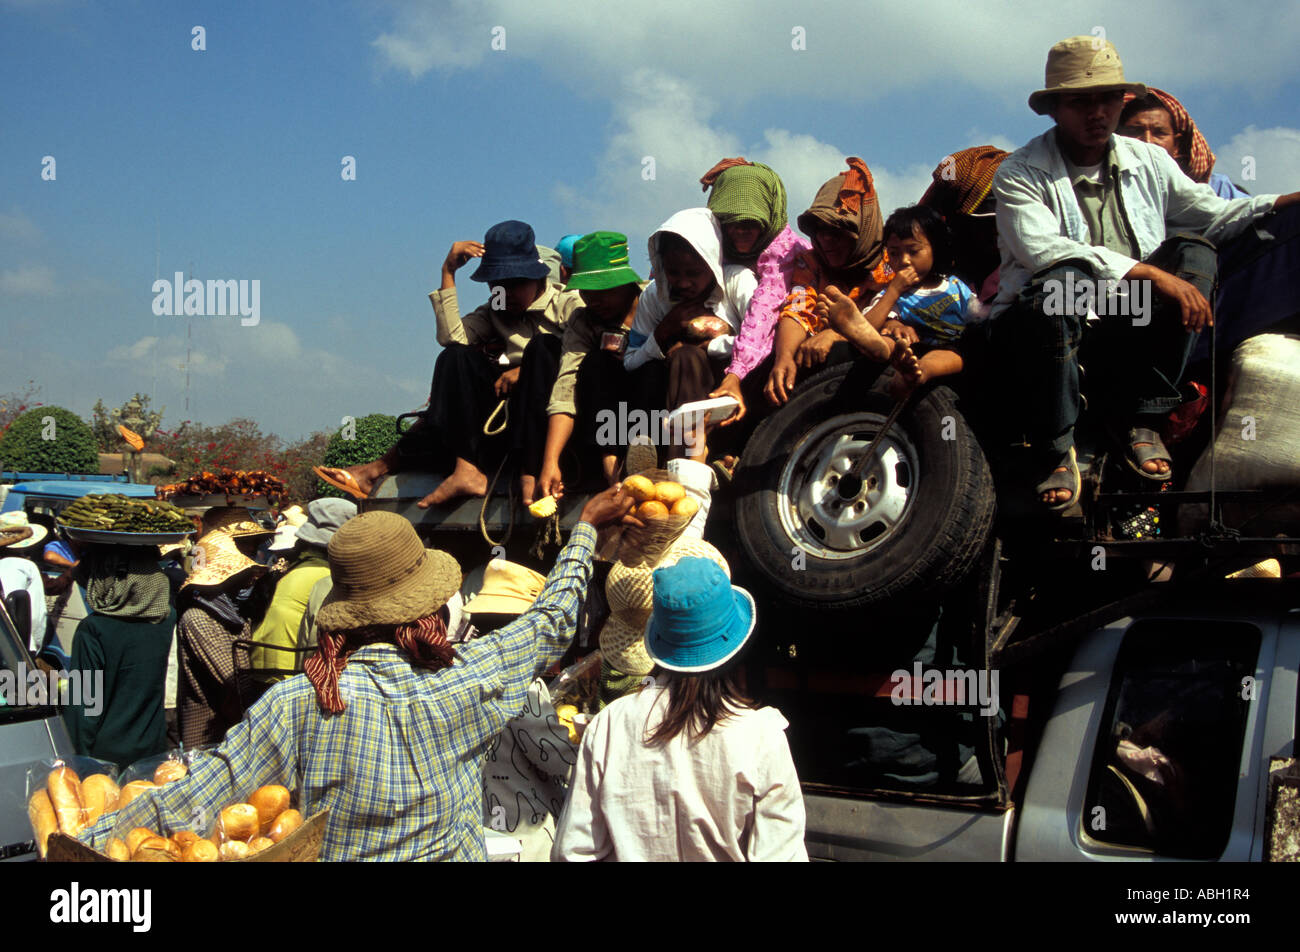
(565, 248)
(460, 434)
(693, 731)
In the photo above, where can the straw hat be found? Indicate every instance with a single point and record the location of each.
(215, 559)
(1082, 64)
(294, 515)
(508, 589)
(18, 532)
(383, 574)
(235, 521)
(629, 590)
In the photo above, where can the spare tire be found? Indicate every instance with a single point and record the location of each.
(914, 525)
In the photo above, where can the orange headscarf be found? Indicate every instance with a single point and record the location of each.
(1197, 160)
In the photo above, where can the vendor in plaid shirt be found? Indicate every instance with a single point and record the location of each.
(388, 725)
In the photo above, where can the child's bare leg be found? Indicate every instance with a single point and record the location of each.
(527, 488)
(845, 317)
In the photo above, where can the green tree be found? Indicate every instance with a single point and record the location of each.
(361, 441)
(49, 440)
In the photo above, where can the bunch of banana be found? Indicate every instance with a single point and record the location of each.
(117, 513)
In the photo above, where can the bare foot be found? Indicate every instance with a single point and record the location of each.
(845, 317)
(465, 480)
(365, 474)
(527, 488)
(609, 466)
(1158, 467)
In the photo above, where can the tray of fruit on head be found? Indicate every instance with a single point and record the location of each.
(253, 489)
(115, 519)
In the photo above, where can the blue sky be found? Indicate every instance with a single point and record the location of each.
(226, 162)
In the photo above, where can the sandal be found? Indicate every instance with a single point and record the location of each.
(1154, 450)
(725, 474)
(1069, 479)
(346, 481)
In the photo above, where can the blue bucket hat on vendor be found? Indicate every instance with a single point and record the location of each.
(700, 621)
(510, 252)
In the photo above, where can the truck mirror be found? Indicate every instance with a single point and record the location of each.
(19, 606)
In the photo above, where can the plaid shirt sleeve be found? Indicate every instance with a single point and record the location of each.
(258, 750)
(505, 662)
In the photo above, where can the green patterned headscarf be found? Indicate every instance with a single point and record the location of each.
(748, 193)
(125, 582)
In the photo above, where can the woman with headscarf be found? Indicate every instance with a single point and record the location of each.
(848, 251)
(208, 699)
(1160, 119)
(749, 202)
(125, 640)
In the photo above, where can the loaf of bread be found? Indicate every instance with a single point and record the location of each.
(201, 851)
(184, 838)
(284, 824)
(136, 837)
(168, 771)
(64, 787)
(270, 801)
(238, 822)
(100, 794)
(117, 850)
(44, 822)
(133, 790)
(162, 844)
(259, 843)
(234, 849)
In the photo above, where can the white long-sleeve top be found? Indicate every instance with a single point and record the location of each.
(731, 795)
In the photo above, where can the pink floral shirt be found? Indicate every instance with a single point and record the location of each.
(757, 332)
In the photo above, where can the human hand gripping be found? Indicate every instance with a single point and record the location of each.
(730, 387)
(609, 508)
(461, 251)
(506, 382)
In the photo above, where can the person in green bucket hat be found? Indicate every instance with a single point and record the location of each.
(591, 376)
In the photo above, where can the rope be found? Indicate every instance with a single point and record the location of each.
(505, 420)
(482, 511)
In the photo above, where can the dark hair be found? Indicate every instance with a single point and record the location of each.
(1142, 104)
(697, 702)
(904, 223)
(670, 242)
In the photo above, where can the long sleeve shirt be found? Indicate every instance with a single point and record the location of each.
(1040, 223)
(547, 315)
(758, 330)
(582, 336)
(400, 770)
(729, 301)
(731, 795)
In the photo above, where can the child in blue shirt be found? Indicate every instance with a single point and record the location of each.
(917, 321)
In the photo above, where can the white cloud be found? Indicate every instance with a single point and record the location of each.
(662, 118)
(852, 53)
(18, 227)
(1262, 161)
(31, 279)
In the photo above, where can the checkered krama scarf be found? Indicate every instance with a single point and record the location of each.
(963, 180)
(1196, 158)
(746, 191)
(125, 582)
(424, 642)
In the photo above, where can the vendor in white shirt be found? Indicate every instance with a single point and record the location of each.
(687, 769)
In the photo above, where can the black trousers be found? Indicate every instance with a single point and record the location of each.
(461, 398)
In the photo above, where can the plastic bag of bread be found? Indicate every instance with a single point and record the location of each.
(214, 833)
(69, 795)
(163, 768)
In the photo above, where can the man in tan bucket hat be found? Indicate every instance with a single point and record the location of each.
(388, 726)
(1108, 258)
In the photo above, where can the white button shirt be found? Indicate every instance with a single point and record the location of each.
(731, 795)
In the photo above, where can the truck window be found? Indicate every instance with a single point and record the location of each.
(1164, 774)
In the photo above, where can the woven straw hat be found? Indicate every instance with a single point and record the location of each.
(383, 574)
(508, 589)
(1082, 64)
(629, 590)
(215, 559)
(234, 521)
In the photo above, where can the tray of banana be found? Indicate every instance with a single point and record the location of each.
(115, 519)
